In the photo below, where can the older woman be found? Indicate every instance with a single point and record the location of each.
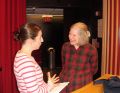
(79, 58)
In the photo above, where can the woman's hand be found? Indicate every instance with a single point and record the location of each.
(52, 79)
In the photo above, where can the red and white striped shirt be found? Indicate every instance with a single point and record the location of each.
(29, 75)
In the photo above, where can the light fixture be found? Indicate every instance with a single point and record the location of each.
(47, 18)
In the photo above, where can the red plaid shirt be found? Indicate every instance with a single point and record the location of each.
(79, 66)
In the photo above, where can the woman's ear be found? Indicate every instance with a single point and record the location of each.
(88, 33)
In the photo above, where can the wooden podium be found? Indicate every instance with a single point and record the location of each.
(91, 88)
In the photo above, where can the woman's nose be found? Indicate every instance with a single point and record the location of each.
(42, 40)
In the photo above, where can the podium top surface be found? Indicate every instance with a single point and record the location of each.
(91, 88)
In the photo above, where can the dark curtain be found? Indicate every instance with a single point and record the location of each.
(12, 16)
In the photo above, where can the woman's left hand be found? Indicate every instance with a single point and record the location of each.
(52, 79)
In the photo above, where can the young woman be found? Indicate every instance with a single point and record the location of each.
(28, 73)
